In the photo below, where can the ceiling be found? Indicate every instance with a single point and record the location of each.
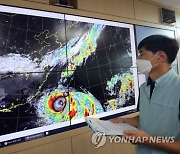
(172, 3)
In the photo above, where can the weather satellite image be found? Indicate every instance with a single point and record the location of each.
(57, 70)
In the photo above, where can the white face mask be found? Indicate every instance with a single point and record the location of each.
(145, 66)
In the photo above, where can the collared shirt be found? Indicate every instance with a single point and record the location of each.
(159, 115)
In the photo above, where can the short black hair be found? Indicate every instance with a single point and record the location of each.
(155, 43)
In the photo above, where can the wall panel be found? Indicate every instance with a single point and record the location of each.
(39, 1)
(122, 8)
(147, 12)
(82, 144)
(178, 19)
(63, 146)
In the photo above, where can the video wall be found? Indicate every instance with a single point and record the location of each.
(55, 69)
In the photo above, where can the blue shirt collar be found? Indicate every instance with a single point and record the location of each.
(163, 78)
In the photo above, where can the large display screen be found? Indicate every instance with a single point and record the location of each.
(55, 69)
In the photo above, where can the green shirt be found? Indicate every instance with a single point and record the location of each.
(159, 115)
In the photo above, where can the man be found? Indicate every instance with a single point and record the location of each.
(159, 100)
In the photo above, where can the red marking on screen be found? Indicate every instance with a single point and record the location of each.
(131, 84)
(93, 109)
(72, 113)
(73, 103)
(86, 112)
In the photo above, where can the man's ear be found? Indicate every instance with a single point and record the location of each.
(163, 56)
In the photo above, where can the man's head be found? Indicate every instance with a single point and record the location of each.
(167, 47)
(156, 53)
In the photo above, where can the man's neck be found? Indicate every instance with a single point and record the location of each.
(154, 75)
